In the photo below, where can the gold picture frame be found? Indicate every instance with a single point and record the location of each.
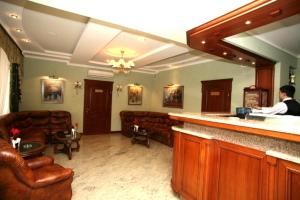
(52, 91)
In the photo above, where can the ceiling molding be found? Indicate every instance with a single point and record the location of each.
(173, 63)
(259, 13)
(188, 64)
(46, 55)
(155, 51)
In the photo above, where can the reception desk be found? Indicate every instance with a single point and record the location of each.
(228, 158)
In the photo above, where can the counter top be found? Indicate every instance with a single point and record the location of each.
(282, 127)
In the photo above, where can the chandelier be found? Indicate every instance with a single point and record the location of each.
(121, 66)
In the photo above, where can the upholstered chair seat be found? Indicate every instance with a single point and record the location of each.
(34, 179)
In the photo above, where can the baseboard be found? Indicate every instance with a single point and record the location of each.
(116, 131)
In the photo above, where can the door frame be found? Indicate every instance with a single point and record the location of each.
(217, 80)
(84, 108)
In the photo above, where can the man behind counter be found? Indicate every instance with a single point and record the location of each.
(287, 106)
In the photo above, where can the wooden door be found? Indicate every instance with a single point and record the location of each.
(240, 172)
(288, 180)
(216, 95)
(265, 79)
(97, 106)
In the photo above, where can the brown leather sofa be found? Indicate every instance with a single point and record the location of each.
(157, 124)
(35, 125)
(33, 179)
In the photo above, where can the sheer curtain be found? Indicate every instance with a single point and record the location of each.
(4, 82)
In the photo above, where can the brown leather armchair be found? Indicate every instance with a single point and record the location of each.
(38, 178)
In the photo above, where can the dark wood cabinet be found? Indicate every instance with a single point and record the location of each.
(206, 169)
(255, 97)
(191, 166)
(288, 180)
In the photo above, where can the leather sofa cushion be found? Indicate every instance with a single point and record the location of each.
(22, 124)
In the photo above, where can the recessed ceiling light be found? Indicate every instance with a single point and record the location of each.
(26, 40)
(14, 16)
(18, 30)
(224, 53)
(203, 41)
(240, 58)
(253, 63)
(248, 22)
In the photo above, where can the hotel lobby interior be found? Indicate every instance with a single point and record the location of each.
(148, 100)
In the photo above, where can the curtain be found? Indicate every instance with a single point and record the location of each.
(4, 82)
(15, 92)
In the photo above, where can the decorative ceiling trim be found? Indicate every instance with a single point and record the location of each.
(209, 36)
(155, 51)
(189, 64)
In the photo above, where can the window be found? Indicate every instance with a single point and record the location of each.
(4, 82)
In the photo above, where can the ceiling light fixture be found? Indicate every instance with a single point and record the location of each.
(121, 66)
(253, 63)
(240, 58)
(26, 40)
(203, 41)
(14, 16)
(248, 22)
(224, 53)
(18, 30)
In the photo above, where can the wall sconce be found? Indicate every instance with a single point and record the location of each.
(53, 76)
(77, 85)
(119, 89)
(292, 75)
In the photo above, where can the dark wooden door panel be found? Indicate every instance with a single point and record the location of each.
(265, 80)
(240, 173)
(216, 95)
(97, 106)
(190, 167)
(288, 180)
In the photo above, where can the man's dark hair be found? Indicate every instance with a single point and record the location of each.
(289, 90)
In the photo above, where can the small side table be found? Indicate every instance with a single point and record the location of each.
(141, 136)
(67, 139)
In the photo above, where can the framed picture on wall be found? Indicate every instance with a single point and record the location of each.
(173, 96)
(135, 95)
(52, 90)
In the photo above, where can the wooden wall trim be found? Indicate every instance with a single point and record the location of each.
(260, 13)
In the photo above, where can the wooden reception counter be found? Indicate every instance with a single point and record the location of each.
(227, 158)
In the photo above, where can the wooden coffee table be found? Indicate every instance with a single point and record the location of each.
(141, 136)
(31, 149)
(66, 139)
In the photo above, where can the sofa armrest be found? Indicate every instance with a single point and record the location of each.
(38, 162)
(51, 174)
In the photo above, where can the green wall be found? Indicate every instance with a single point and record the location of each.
(36, 69)
(191, 77)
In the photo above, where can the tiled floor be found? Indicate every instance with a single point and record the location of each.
(109, 167)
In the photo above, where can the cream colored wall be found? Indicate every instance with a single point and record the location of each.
(191, 77)
(36, 69)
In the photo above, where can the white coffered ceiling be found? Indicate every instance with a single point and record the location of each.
(152, 33)
(84, 41)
